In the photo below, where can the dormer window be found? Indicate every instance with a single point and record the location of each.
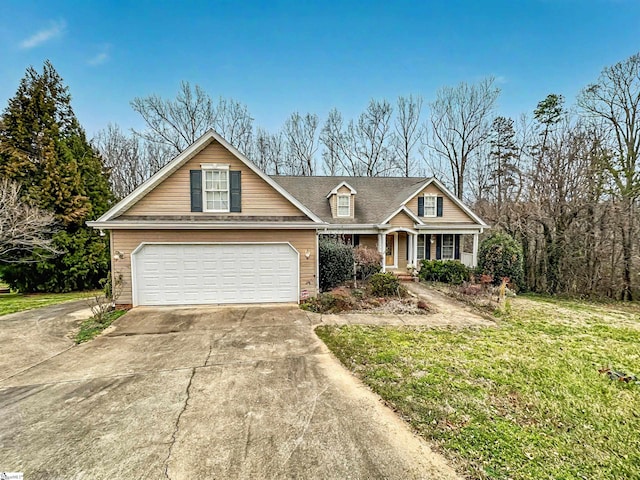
(341, 199)
(344, 205)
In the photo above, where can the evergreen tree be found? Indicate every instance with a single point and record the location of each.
(503, 154)
(44, 148)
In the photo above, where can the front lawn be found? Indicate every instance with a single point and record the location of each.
(17, 302)
(524, 400)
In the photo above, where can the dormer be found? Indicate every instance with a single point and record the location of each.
(342, 200)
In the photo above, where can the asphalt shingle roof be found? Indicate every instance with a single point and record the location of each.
(375, 200)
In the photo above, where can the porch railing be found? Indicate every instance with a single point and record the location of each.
(466, 259)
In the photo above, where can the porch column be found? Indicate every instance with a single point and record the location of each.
(475, 250)
(415, 251)
(382, 247)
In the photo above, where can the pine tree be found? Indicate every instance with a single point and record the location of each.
(44, 148)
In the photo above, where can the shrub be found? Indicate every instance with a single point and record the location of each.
(501, 256)
(368, 261)
(330, 302)
(336, 263)
(385, 285)
(447, 271)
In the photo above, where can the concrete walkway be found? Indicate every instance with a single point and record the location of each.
(449, 311)
(190, 393)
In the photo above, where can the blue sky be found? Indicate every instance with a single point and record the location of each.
(283, 56)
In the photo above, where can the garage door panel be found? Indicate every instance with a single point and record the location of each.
(182, 274)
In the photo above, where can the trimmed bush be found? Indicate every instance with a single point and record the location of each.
(501, 256)
(385, 285)
(446, 271)
(336, 263)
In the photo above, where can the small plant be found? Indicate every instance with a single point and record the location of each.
(385, 285)
(103, 303)
(412, 270)
(103, 309)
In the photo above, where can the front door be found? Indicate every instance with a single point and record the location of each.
(389, 254)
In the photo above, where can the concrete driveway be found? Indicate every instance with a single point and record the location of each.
(196, 393)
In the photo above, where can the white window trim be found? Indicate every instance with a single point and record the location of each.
(348, 197)
(453, 247)
(435, 205)
(209, 167)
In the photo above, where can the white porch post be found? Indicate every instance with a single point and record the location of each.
(382, 247)
(415, 251)
(475, 250)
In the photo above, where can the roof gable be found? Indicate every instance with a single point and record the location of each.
(129, 202)
(339, 186)
(437, 184)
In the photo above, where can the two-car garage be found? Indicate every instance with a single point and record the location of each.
(214, 273)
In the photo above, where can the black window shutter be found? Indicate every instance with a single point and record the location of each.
(235, 187)
(421, 206)
(196, 190)
(438, 247)
(427, 246)
(356, 240)
(457, 247)
(439, 214)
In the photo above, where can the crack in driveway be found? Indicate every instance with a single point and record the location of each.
(177, 424)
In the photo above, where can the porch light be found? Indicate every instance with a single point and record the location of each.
(118, 255)
(307, 254)
(433, 239)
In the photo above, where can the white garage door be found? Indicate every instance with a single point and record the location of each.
(193, 274)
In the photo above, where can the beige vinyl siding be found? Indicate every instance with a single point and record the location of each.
(450, 211)
(402, 220)
(369, 241)
(126, 241)
(173, 195)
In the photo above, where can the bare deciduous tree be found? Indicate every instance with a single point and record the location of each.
(363, 148)
(460, 122)
(25, 230)
(615, 100)
(178, 123)
(301, 133)
(407, 132)
(268, 152)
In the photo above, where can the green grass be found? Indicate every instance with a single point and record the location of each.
(91, 328)
(17, 302)
(524, 400)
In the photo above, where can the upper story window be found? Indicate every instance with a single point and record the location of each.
(430, 202)
(216, 189)
(344, 206)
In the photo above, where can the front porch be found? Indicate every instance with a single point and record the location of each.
(401, 247)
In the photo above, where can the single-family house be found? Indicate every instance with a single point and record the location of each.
(211, 228)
